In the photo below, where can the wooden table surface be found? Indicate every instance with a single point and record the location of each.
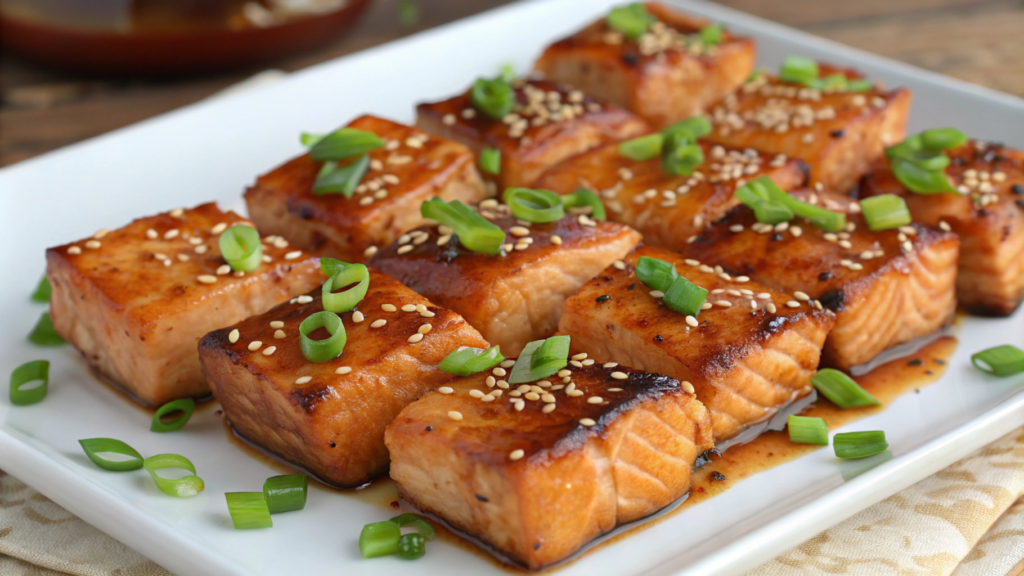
(976, 40)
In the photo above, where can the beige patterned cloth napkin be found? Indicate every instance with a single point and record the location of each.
(966, 520)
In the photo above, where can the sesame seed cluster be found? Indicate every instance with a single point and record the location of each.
(535, 106)
(384, 162)
(661, 39)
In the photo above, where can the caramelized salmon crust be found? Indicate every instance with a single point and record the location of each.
(753, 349)
(328, 418)
(838, 134)
(987, 215)
(515, 297)
(412, 167)
(665, 76)
(136, 300)
(548, 124)
(538, 470)
(669, 210)
(886, 288)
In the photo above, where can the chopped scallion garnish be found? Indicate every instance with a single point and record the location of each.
(21, 393)
(762, 193)
(798, 70)
(919, 162)
(248, 510)
(885, 212)
(42, 293)
(495, 98)
(343, 144)
(656, 274)
(581, 198)
(474, 231)
(285, 493)
(685, 297)
(184, 405)
(632, 20)
(939, 139)
(240, 246)
(1003, 360)
(526, 370)
(490, 160)
(344, 181)
(711, 35)
(467, 360)
(44, 334)
(356, 277)
(537, 206)
(179, 487)
(411, 547)
(859, 444)
(806, 430)
(680, 160)
(379, 539)
(93, 447)
(426, 529)
(329, 348)
(554, 349)
(841, 389)
(643, 148)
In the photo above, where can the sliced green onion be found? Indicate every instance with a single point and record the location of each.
(42, 293)
(344, 181)
(885, 212)
(583, 198)
(681, 160)
(642, 148)
(685, 297)
(329, 348)
(1003, 360)
(180, 487)
(35, 371)
(345, 143)
(411, 547)
(357, 277)
(632, 20)
(248, 510)
(919, 163)
(43, 334)
(467, 360)
(93, 447)
(185, 405)
(798, 70)
(656, 274)
(537, 206)
(379, 539)
(834, 82)
(474, 231)
(691, 129)
(755, 195)
(309, 139)
(859, 444)
(858, 85)
(330, 266)
(285, 493)
(918, 179)
(426, 529)
(495, 98)
(939, 139)
(711, 35)
(554, 349)
(240, 246)
(756, 192)
(525, 370)
(490, 160)
(805, 430)
(841, 389)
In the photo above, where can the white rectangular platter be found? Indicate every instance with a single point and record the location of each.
(211, 150)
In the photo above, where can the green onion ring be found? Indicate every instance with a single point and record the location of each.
(939, 139)
(93, 447)
(286, 493)
(806, 430)
(1000, 361)
(411, 547)
(345, 143)
(340, 302)
(344, 180)
(329, 348)
(421, 525)
(495, 98)
(44, 333)
(583, 198)
(490, 160)
(642, 148)
(474, 232)
(42, 293)
(841, 389)
(685, 297)
(525, 370)
(185, 405)
(632, 20)
(656, 274)
(711, 35)
(180, 487)
(537, 206)
(30, 372)
(240, 246)
(248, 510)
(467, 360)
(379, 539)
(885, 211)
(798, 70)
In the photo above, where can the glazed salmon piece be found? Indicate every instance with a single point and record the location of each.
(886, 288)
(411, 168)
(752, 352)
(665, 76)
(548, 124)
(515, 297)
(668, 210)
(988, 218)
(537, 486)
(136, 300)
(838, 134)
(329, 418)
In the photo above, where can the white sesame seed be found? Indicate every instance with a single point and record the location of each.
(343, 370)
(587, 421)
(595, 400)
(515, 454)
(409, 308)
(502, 384)
(620, 375)
(388, 308)
(944, 226)
(801, 296)
(269, 350)
(92, 244)
(406, 249)
(233, 336)
(556, 239)
(619, 265)
(424, 329)
(207, 279)
(706, 306)
(508, 363)
(378, 323)
(498, 371)
(304, 299)
(687, 387)
(574, 393)
(519, 404)
(277, 324)
(279, 334)
(722, 303)
(357, 316)
(690, 320)
(171, 234)
(610, 364)
(151, 234)
(531, 396)
(219, 228)
(490, 381)
(547, 398)
(476, 394)
(293, 255)
(201, 249)
(548, 408)
(657, 293)
(255, 345)
(224, 269)
(455, 415)
(770, 307)
(793, 304)
(446, 390)
(576, 363)
(415, 338)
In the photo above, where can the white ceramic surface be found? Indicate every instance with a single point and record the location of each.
(211, 150)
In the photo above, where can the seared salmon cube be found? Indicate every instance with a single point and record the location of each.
(538, 470)
(839, 134)
(548, 124)
(515, 297)
(749, 353)
(412, 167)
(135, 301)
(987, 215)
(328, 418)
(886, 288)
(668, 210)
(666, 75)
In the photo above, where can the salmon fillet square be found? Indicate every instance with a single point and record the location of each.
(548, 124)
(987, 215)
(886, 288)
(411, 168)
(669, 210)
(515, 297)
(752, 351)
(668, 74)
(838, 134)
(135, 301)
(328, 418)
(538, 470)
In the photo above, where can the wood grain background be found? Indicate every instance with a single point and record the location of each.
(980, 41)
